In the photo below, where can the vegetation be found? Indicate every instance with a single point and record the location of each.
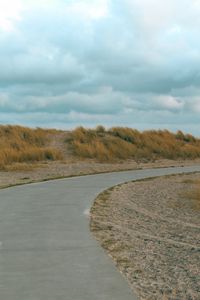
(126, 143)
(21, 145)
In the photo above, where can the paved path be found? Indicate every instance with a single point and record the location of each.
(46, 249)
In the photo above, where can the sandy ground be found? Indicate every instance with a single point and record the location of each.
(72, 167)
(152, 232)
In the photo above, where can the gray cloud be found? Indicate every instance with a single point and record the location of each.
(118, 63)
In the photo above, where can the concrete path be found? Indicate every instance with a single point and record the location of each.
(46, 249)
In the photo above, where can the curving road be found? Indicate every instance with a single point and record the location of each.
(46, 249)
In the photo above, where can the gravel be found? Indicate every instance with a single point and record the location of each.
(152, 232)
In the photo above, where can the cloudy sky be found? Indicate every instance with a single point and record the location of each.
(65, 63)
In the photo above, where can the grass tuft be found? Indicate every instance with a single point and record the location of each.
(24, 145)
(126, 143)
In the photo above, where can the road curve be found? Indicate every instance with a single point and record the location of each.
(46, 249)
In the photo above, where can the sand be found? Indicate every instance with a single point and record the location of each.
(152, 232)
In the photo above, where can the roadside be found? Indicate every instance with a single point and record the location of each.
(151, 230)
(34, 155)
(73, 167)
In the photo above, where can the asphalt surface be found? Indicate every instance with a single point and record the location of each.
(46, 249)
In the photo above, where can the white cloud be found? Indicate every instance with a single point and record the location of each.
(154, 15)
(196, 107)
(175, 30)
(169, 102)
(193, 104)
(10, 11)
(89, 9)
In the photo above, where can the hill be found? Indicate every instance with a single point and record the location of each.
(126, 143)
(21, 145)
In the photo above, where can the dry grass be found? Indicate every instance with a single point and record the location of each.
(20, 146)
(24, 145)
(126, 143)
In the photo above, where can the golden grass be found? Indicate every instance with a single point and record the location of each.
(126, 143)
(20, 146)
(24, 145)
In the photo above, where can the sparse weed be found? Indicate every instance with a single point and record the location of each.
(192, 193)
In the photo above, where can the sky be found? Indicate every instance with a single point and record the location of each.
(66, 63)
